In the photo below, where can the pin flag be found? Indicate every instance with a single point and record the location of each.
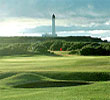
(60, 49)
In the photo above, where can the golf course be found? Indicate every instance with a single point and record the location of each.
(54, 49)
(54, 77)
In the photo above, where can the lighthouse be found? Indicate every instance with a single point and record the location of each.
(53, 26)
(53, 29)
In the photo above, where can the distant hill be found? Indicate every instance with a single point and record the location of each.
(80, 39)
(38, 39)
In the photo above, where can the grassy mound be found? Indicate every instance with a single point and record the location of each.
(35, 80)
(23, 78)
(6, 74)
(50, 79)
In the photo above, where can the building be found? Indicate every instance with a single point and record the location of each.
(53, 29)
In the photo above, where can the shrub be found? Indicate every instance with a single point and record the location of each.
(48, 44)
(66, 46)
(74, 52)
(107, 47)
(87, 50)
(40, 48)
(76, 45)
(91, 50)
(13, 49)
(56, 45)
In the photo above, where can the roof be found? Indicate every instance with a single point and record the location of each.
(53, 16)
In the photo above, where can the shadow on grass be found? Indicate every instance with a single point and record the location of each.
(82, 76)
(31, 55)
(47, 84)
(6, 75)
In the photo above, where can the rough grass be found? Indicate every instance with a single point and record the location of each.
(63, 77)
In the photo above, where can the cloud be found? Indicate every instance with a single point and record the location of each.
(103, 34)
(106, 38)
(44, 8)
(85, 17)
(100, 32)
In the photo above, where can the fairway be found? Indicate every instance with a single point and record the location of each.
(63, 77)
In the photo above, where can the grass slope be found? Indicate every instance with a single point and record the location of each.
(55, 78)
(22, 78)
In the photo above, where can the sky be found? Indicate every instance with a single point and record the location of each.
(73, 17)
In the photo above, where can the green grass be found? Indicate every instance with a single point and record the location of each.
(64, 77)
(49, 63)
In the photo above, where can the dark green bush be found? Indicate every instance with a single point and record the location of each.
(13, 49)
(92, 50)
(87, 50)
(40, 48)
(66, 46)
(48, 44)
(107, 47)
(56, 45)
(77, 45)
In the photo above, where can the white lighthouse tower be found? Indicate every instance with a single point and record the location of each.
(53, 29)
(53, 26)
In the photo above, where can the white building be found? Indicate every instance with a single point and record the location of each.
(53, 29)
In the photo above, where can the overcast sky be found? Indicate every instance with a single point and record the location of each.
(73, 17)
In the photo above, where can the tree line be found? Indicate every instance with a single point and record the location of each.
(37, 39)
